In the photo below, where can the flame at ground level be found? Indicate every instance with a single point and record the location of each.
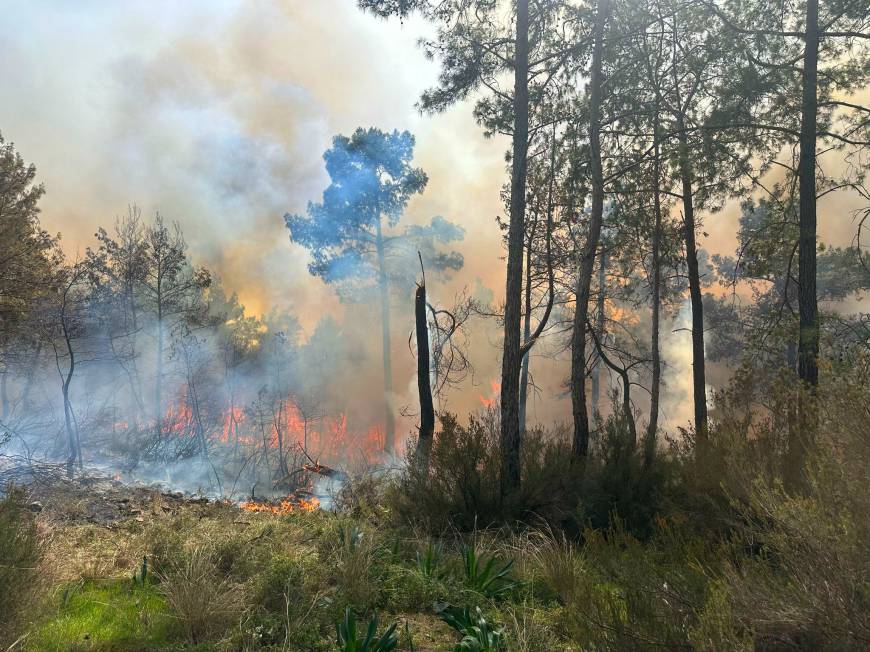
(284, 506)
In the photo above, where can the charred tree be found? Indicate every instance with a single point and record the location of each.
(424, 384)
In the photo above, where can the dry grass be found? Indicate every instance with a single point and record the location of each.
(205, 603)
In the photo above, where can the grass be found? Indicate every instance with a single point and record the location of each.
(113, 614)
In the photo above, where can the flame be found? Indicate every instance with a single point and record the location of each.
(285, 506)
(326, 438)
(489, 401)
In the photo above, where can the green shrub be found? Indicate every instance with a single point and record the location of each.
(478, 635)
(21, 551)
(618, 484)
(349, 640)
(486, 578)
(460, 487)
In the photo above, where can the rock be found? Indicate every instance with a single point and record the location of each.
(35, 507)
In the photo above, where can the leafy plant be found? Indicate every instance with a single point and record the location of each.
(486, 578)
(349, 537)
(429, 559)
(349, 641)
(477, 634)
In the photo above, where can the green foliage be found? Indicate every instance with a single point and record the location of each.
(349, 641)
(460, 488)
(478, 635)
(619, 485)
(429, 560)
(486, 578)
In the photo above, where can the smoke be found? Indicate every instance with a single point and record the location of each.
(216, 114)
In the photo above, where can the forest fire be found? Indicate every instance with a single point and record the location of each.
(277, 426)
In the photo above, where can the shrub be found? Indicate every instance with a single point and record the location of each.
(21, 550)
(353, 561)
(205, 603)
(807, 585)
(486, 578)
(460, 487)
(619, 485)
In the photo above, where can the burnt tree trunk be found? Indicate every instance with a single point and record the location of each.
(510, 439)
(424, 384)
(587, 262)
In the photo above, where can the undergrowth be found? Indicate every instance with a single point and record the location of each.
(697, 552)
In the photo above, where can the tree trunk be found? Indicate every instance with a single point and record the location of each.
(599, 324)
(808, 337)
(389, 420)
(73, 444)
(158, 380)
(511, 358)
(587, 262)
(424, 385)
(699, 382)
(527, 333)
(655, 388)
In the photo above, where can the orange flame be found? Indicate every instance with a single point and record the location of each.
(489, 401)
(285, 506)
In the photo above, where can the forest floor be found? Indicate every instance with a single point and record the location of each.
(137, 568)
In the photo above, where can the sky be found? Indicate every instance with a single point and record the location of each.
(216, 113)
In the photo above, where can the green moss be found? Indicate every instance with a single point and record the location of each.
(105, 615)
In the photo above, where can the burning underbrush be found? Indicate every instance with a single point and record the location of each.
(299, 501)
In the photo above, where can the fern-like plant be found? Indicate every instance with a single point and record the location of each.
(349, 641)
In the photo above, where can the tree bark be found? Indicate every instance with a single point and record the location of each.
(511, 358)
(655, 387)
(587, 262)
(803, 435)
(699, 381)
(599, 324)
(808, 346)
(389, 420)
(424, 383)
(527, 333)
(73, 443)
